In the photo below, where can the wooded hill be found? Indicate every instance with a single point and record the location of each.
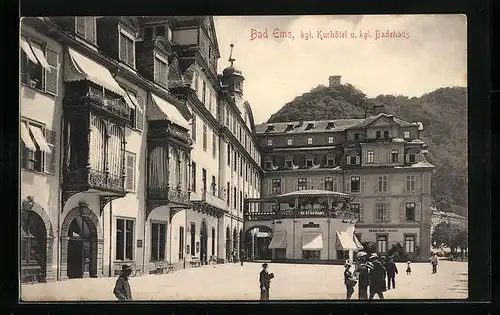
(443, 113)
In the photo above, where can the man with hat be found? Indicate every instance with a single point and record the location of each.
(122, 287)
(377, 278)
(392, 271)
(349, 280)
(362, 272)
(265, 281)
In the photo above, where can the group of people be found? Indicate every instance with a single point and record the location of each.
(371, 271)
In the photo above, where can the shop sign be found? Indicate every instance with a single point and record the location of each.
(382, 230)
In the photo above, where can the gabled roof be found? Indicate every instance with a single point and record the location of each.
(300, 127)
(372, 119)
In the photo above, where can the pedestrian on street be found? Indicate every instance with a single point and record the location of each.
(408, 268)
(242, 256)
(362, 273)
(392, 271)
(377, 278)
(122, 287)
(265, 282)
(235, 260)
(434, 262)
(349, 280)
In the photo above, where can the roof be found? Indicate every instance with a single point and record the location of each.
(420, 164)
(365, 122)
(319, 126)
(311, 192)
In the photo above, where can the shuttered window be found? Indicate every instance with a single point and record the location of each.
(160, 71)
(139, 114)
(127, 48)
(51, 77)
(50, 158)
(129, 171)
(85, 27)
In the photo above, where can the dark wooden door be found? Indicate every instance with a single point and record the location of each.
(75, 259)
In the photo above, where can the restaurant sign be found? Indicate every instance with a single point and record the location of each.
(382, 230)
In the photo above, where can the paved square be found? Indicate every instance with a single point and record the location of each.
(234, 282)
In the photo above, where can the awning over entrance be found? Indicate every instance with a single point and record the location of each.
(312, 241)
(25, 136)
(345, 241)
(279, 240)
(357, 242)
(170, 111)
(84, 68)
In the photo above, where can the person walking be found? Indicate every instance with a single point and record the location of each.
(349, 280)
(408, 267)
(235, 260)
(242, 256)
(434, 262)
(265, 282)
(362, 273)
(122, 287)
(392, 271)
(377, 278)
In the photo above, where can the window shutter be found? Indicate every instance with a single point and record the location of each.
(365, 156)
(269, 187)
(50, 158)
(348, 162)
(361, 212)
(130, 53)
(407, 158)
(418, 212)
(80, 25)
(130, 171)
(309, 183)
(156, 69)
(322, 183)
(283, 186)
(90, 29)
(123, 47)
(357, 159)
(407, 184)
(139, 114)
(52, 76)
(348, 184)
(385, 213)
(389, 156)
(375, 214)
(402, 211)
(361, 184)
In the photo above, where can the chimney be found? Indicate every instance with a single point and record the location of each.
(334, 80)
(378, 109)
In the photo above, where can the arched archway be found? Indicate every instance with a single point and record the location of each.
(36, 242)
(81, 244)
(228, 244)
(257, 242)
(203, 243)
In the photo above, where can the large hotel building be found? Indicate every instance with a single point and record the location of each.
(135, 150)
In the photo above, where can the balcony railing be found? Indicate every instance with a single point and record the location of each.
(167, 194)
(213, 200)
(302, 213)
(94, 179)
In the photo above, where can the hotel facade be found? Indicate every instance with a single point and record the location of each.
(134, 150)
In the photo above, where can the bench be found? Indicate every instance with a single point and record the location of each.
(195, 262)
(161, 266)
(135, 269)
(30, 274)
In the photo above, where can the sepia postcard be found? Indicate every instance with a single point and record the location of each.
(220, 158)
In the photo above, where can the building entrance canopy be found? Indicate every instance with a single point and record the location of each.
(279, 240)
(312, 241)
(345, 241)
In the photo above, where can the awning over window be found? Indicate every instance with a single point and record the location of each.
(41, 57)
(26, 47)
(131, 100)
(84, 68)
(279, 240)
(170, 111)
(40, 139)
(345, 241)
(25, 136)
(357, 242)
(34, 53)
(312, 241)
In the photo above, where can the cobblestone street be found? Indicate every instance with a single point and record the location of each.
(234, 282)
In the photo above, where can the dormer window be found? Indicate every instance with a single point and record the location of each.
(353, 158)
(289, 162)
(160, 68)
(330, 160)
(127, 48)
(386, 134)
(289, 128)
(309, 161)
(330, 125)
(85, 26)
(268, 164)
(406, 135)
(270, 128)
(310, 140)
(412, 158)
(269, 142)
(309, 126)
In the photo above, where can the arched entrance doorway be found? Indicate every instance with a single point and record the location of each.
(228, 244)
(81, 244)
(257, 243)
(33, 246)
(203, 243)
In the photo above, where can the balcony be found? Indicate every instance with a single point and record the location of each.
(91, 179)
(302, 213)
(85, 94)
(210, 204)
(167, 195)
(164, 130)
(213, 200)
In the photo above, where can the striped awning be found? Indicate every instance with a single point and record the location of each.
(40, 139)
(26, 137)
(345, 241)
(169, 112)
(279, 240)
(312, 241)
(34, 53)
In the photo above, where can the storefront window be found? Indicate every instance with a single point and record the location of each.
(311, 254)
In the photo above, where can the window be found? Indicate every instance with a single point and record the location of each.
(311, 254)
(289, 127)
(227, 117)
(214, 146)
(276, 187)
(381, 212)
(193, 238)
(39, 66)
(289, 162)
(158, 240)
(330, 184)
(382, 183)
(129, 171)
(310, 140)
(353, 159)
(181, 242)
(309, 162)
(160, 71)
(370, 156)
(124, 239)
(381, 243)
(410, 211)
(330, 140)
(228, 192)
(406, 135)
(213, 242)
(38, 147)
(209, 101)
(85, 26)
(127, 49)
(355, 184)
(269, 142)
(204, 137)
(148, 33)
(378, 134)
(214, 186)
(241, 201)
(394, 156)
(409, 243)
(33, 237)
(330, 160)
(302, 183)
(412, 158)
(235, 198)
(235, 158)
(330, 125)
(410, 182)
(268, 165)
(289, 141)
(356, 136)
(204, 91)
(228, 154)
(193, 176)
(386, 134)
(193, 128)
(309, 126)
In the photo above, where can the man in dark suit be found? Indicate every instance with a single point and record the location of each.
(392, 271)
(377, 278)
(122, 287)
(265, 281)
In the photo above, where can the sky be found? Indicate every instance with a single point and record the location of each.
(431, 53)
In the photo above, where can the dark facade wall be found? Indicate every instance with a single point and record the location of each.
(107, 37)
(144, 52)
